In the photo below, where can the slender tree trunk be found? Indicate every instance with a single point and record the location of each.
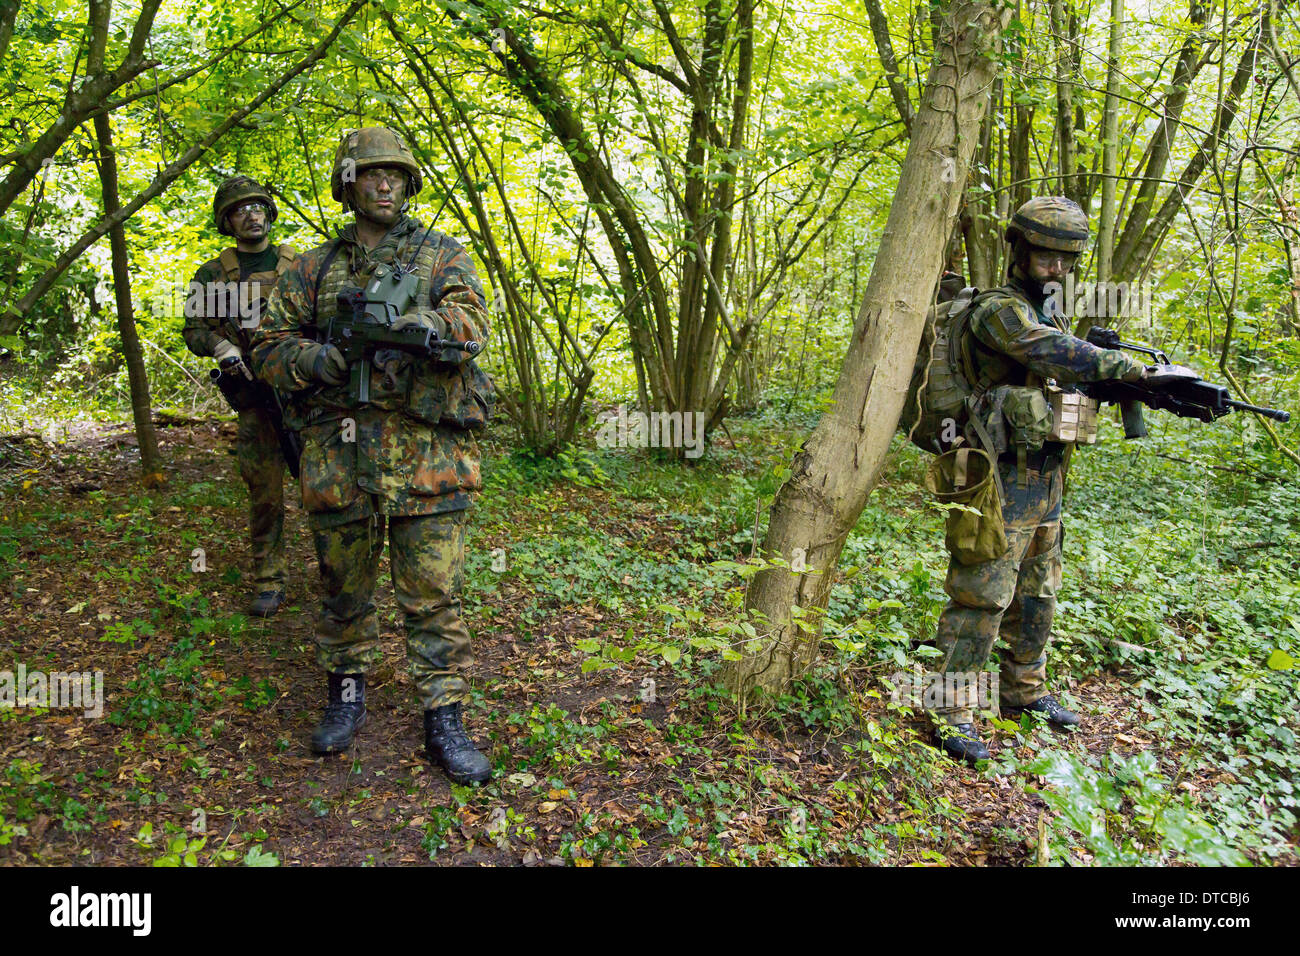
(1110, 147)
(840, 462)
(1064, 100)
(8, 13)
(150, 460)
(1130, 262)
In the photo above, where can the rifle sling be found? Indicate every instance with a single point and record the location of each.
(320, 277)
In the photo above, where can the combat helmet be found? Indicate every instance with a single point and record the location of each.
(236, 190)
(1050, 222)
(360, 149)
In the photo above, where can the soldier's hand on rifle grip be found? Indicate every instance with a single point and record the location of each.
(323, 363)
(224, 351)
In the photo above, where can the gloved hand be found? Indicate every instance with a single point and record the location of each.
(1135, 374)
(423, 320)
(223, 351)
(324, 363)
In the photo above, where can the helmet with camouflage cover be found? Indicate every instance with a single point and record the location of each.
(1050, 222)
(233, 192)
(361, 149)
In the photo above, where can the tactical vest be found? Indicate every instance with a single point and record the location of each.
(228, 261)
(434, 393)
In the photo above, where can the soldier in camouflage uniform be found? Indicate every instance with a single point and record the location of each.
(224, 304)
(406, 461)
(1019, 337)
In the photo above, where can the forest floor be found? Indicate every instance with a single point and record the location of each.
(201, 755)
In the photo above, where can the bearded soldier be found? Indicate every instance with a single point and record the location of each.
(225, 304)
(396, 454)
(1017, 343)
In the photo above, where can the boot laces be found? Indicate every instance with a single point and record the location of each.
(340, 713)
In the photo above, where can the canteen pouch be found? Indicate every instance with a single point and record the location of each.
(1028, 417)
(968, 476)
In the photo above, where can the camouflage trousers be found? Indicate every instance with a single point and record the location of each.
(427, 553)
(1014, 596)
(261, 465)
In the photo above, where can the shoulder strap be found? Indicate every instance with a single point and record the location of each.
(229, 260)
(959, 350)
(320, 277)
(287, 255)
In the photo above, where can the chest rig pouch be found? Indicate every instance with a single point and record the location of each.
(254, 289)
(1074, 416)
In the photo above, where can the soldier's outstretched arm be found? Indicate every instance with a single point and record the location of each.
(459, 308)
(1049, 352)
(282, 357)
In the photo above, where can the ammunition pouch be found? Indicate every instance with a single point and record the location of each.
(968, 476)
(1074, 416)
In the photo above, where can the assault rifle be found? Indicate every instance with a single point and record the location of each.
(1175, 389)
(364, 324)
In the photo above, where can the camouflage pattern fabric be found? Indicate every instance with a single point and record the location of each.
(428, 562)
(405, 453)
(261, 465)
(406, 460)
(1013, 595)
(1050, 222)
(202, 332)
(1014, 336)
(1011, 335)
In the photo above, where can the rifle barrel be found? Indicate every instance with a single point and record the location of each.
(1274, 413)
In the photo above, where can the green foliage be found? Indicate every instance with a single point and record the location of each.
(1126, 814)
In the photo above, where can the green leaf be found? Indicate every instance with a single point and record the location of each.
(1280, 660)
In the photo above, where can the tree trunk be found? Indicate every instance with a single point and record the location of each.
(150, 460)
(1064, 100)
(1110, 147)
(8, 13)
(841, 461)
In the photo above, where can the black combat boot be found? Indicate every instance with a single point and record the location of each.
(448, 745)
(960, 742)
(342, 718)
(266, 603)
(1050, 708)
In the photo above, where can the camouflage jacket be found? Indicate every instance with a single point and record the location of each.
(1011, 335)
(410, 450)
(230, 284)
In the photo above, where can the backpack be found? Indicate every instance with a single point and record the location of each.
(937, 412)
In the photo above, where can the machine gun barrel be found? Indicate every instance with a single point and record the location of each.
(1186, 397)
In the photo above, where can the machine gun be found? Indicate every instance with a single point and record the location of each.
(364, 324)
(1177, 390)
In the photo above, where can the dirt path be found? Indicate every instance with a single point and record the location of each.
(208, 713)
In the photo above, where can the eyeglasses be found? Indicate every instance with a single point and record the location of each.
(248, 208)
(1043, 258)
(377, 174)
